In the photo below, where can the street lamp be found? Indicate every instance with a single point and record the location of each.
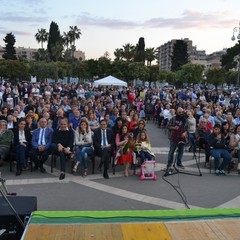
(237, 29)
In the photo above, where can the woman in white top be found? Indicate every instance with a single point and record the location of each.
(191, 129)
(235, 144)
(83, 144)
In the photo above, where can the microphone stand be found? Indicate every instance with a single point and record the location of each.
(172, 172)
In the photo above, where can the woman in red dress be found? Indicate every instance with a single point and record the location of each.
(125, 145)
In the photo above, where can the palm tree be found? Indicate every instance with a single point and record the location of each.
(57, 51)
(41, 36)
(128, 52)
(74, 34)
(66, 39)
(150, 55)
(118, 53)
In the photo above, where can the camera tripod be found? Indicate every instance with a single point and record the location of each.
(176, 170)
(4, 192)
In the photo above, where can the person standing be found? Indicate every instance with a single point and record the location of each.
(103, 143)
(177, 136)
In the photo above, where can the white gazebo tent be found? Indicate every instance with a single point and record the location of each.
(109, 81)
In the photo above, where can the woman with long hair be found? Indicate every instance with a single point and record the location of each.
(235, 145)
(125, 147)
(92, 120)
(22, 145)
(144, 147)
(83, 144)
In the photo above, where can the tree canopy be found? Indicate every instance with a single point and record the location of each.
(9, 50)
(179, 55)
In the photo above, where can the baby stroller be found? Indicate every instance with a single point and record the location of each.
(147, 170)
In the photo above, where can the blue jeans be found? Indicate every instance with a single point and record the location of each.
(145, 155)
(173, 147)
(192, 138)
(217, 154)
(82, 155)
(22, 153)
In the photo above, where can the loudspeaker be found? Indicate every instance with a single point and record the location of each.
(24, 206)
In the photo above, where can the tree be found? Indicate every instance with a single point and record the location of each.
(74, 34)
(54, 41)
(191, 73)
(153, 73)
(104, 67)
(216, 76)
(128, 52)
(9, 50)
(41, 36)
(150, 55)
(179, 55)
(118, 53)
(227, 60)
(41, 55)
(137, 70)
(140, 50)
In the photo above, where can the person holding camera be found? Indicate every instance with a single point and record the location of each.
(177, 136)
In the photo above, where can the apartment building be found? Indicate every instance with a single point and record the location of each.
(165, 52)
(30, 53)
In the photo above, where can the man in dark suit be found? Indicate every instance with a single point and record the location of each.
(103, 142)
(41, 142)
(62, 144)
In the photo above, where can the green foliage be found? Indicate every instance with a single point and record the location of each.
(231, 77)
(227, 60)
(140, 51)
(179, 56)
(128, 52)
(9, 50)
(138, 71)
(55, 44)
(41, 36)
(104, 67)
(216, 76)
(153, 73)
(150, 55)
(15, 70)
(191, 73)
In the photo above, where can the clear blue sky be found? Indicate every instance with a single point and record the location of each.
(109, 24)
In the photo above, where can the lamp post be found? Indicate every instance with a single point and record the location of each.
(235, 30)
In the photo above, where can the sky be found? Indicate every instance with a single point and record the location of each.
(109, 24)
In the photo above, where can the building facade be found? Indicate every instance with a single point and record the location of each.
(30, 53)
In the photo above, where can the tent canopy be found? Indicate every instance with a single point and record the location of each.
(108, 81)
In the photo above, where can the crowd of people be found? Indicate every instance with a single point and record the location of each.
(76, 122)
(72, 122)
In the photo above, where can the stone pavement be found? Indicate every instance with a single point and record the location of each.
(129, 193)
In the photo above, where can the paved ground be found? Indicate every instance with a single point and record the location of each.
(129, 193)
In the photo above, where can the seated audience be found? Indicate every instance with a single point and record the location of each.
(62, 144)
(125, 147)
(41, 143)
(83, 145)
(6, 137)
(22, 145)
(104, 143)
(218, 150)
(144, 147)
(235, 145)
